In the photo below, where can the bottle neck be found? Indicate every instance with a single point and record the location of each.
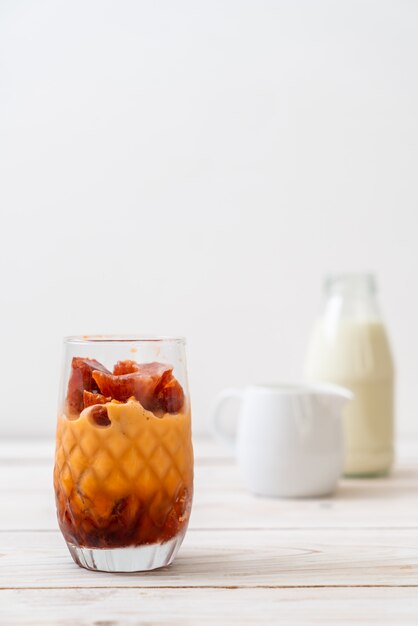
(351, 297)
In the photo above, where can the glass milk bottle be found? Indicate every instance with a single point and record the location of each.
(349, 347)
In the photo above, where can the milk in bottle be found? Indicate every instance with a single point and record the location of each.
(349, 347)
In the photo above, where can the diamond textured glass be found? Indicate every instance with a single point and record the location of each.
(123, 473)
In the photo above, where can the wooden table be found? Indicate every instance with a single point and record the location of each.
(350, 559)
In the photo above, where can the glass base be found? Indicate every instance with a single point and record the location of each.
(130, 559)
(369, 464)
(377, 474)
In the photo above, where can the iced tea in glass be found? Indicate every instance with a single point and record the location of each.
(123, 473)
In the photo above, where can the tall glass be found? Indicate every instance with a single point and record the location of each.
(123, 473)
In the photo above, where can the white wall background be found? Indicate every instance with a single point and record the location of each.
(196, 167)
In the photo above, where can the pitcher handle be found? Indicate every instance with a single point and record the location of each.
(217, 412)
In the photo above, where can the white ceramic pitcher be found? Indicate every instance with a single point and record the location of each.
(289, 439)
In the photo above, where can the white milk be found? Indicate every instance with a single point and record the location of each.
(353, 351)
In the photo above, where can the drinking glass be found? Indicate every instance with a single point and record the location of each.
(123, 474)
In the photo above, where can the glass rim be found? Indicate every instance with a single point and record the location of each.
(94, 339)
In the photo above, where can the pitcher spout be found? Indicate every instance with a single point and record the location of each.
(334, 397)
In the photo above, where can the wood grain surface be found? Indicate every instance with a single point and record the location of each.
(347, 559)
